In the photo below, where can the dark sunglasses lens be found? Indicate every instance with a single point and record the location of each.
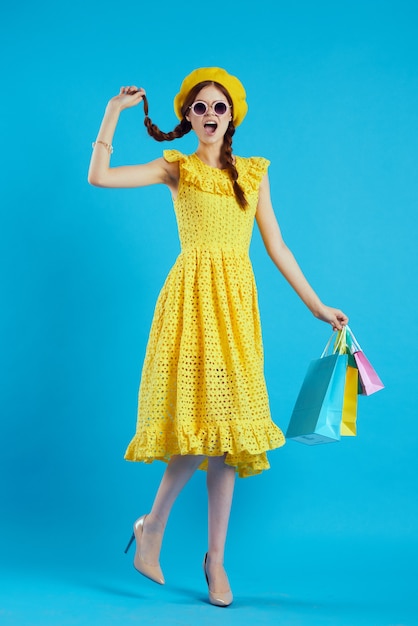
(220, 108)
(199, 108)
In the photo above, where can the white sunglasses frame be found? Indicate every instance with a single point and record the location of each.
(210, 106)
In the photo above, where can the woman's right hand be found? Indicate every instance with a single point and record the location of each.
(128, 97)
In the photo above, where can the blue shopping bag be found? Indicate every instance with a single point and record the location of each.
(317, 414)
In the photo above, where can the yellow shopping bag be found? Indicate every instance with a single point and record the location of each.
(349, 416)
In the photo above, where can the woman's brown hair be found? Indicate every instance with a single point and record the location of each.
(185, 127)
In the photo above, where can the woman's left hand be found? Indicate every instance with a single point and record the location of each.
(335, 317)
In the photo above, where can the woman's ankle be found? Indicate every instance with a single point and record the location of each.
(154, 523)
(215, 558)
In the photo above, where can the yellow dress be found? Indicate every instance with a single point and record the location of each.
(202, 388)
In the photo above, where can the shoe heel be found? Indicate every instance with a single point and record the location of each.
(130, 543)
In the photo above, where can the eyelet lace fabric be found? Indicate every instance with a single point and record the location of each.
(202, 389)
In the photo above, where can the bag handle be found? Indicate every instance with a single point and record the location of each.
(340, 343)
(353, 344)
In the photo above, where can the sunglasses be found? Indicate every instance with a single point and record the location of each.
(219, 107)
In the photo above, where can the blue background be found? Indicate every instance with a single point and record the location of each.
(329, 535)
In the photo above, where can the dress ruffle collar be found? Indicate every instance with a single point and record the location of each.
(214, 180)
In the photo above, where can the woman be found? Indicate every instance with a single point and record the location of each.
(202, 399)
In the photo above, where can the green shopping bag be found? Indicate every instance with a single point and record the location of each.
(317, 414)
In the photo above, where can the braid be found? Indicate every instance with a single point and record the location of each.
(228, 164)
(179, 131)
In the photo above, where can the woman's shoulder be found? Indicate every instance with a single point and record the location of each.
(174, 156)
(253, 163)
(251, 171)
(197, 173)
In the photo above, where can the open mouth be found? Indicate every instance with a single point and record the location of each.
(210, 128)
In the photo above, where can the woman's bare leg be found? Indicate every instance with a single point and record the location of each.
(220, 483)
(178, 472)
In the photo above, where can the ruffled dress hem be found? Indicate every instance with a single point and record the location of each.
(244, 451)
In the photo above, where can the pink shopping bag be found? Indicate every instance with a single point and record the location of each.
(368, 378)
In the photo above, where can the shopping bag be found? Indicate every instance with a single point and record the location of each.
(368, 377)
(316, 417)
(349, 414)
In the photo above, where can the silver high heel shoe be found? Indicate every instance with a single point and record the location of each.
(217, 598)
(153, 572)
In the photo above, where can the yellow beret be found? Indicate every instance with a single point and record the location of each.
(216, 74)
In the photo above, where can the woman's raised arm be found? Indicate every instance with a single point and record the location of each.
(101, 174)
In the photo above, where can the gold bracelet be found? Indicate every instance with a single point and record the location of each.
(108, 146)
